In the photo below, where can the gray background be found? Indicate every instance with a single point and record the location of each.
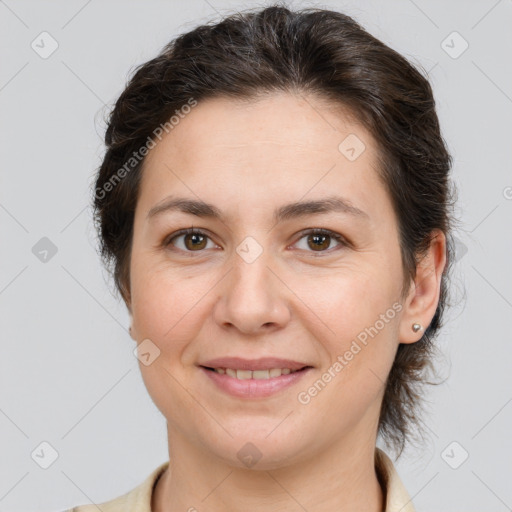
(67, 372)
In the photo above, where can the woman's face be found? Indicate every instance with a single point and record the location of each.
(251, 285)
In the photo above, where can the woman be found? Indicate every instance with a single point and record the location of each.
(275, 206)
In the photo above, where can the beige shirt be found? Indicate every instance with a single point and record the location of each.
(139, 499)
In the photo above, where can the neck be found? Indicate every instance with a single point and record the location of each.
(341, 479)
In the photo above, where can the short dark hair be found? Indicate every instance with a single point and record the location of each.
(318, 51)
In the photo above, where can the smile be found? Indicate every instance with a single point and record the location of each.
(256, 383)
(256, 374)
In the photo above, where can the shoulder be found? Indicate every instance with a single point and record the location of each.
(136, 500)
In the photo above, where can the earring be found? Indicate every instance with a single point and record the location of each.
(416, 327)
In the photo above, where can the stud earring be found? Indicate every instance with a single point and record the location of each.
(416, 327)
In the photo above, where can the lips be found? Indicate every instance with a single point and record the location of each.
(247, 384)
(264, 363)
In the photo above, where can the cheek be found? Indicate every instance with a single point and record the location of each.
(360, 314)
(166, 310)
(169, 305)
(351, 301)
(361, 352)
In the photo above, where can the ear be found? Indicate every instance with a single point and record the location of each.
(421, 303)
(126, 296)
(127, 300)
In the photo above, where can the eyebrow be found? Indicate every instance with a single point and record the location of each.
(283, 213)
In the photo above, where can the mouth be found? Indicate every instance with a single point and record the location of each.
(262, 378)
(241, 374)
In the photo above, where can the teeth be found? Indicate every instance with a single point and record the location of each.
(260, 374)
(256, 374)
(243, 374)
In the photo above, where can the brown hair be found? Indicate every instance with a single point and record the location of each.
(312, 51)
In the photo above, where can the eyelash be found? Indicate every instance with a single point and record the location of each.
(312, 231)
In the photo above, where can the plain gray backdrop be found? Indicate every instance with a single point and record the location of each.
(71, 394)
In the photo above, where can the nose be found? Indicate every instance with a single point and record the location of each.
(252, 298)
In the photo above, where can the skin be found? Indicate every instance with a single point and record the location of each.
(198, 304)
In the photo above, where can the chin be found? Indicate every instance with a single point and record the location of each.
(259, 450)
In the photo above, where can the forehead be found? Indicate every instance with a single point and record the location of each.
(278, 145)
(303, 123)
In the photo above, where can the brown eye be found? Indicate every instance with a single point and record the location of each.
(319, 240)
(193, 240)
